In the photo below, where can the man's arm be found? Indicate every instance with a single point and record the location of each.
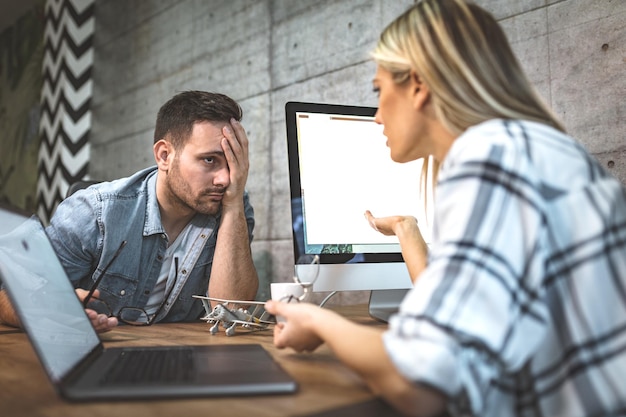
(100, 322)
(233, 275)
(7, 313)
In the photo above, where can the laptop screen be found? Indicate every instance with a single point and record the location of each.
(45, 300)
(10, 218)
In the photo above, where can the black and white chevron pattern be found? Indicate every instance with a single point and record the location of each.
(65, 99)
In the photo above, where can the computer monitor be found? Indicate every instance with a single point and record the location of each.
(339, 167)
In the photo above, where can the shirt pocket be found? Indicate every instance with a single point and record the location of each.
(202, 267)
(118, 290)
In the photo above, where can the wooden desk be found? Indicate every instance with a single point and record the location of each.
(324, 383)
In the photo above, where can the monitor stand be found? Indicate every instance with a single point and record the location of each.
(384, 303)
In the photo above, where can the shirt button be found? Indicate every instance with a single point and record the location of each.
(203, 236)
(184, 271)
(159, 257)
(122, 292)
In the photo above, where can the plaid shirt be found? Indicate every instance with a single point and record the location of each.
(522, 308)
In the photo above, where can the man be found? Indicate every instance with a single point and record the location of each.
(187, 222)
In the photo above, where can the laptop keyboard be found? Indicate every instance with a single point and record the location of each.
(133, 366)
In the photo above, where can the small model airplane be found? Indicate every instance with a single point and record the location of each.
(230, 313)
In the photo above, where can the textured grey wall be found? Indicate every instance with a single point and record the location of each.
(264, 53)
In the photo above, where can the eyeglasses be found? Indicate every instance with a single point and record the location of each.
(134, 316)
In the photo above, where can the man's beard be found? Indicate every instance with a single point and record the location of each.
(181, 195)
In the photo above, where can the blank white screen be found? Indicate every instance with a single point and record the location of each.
(345, 169)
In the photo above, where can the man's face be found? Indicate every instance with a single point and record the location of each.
(199, 173)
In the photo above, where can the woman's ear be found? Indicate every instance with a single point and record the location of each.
(162, 152)
(419, 90)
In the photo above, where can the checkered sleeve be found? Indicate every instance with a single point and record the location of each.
(477, 311)
(522, 308)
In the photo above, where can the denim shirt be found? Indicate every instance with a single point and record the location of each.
(88, 228)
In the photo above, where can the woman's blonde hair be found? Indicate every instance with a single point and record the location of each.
(463, 56)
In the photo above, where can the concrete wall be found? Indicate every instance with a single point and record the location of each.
(267, 52)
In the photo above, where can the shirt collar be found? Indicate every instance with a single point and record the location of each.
(152, 224)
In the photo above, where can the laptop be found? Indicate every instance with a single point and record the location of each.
(11, 217)
(81, 368)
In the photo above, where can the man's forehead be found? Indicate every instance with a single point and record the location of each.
(206, 137)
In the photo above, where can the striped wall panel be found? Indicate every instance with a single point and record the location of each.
(65, 99)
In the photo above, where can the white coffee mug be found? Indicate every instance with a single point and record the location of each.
(287, 292)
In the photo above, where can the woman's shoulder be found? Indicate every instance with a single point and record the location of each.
(537, 152)
(518, 135)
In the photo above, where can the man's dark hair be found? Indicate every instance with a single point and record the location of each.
(177, 117)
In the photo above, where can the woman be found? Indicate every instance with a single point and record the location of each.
(519, 307)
